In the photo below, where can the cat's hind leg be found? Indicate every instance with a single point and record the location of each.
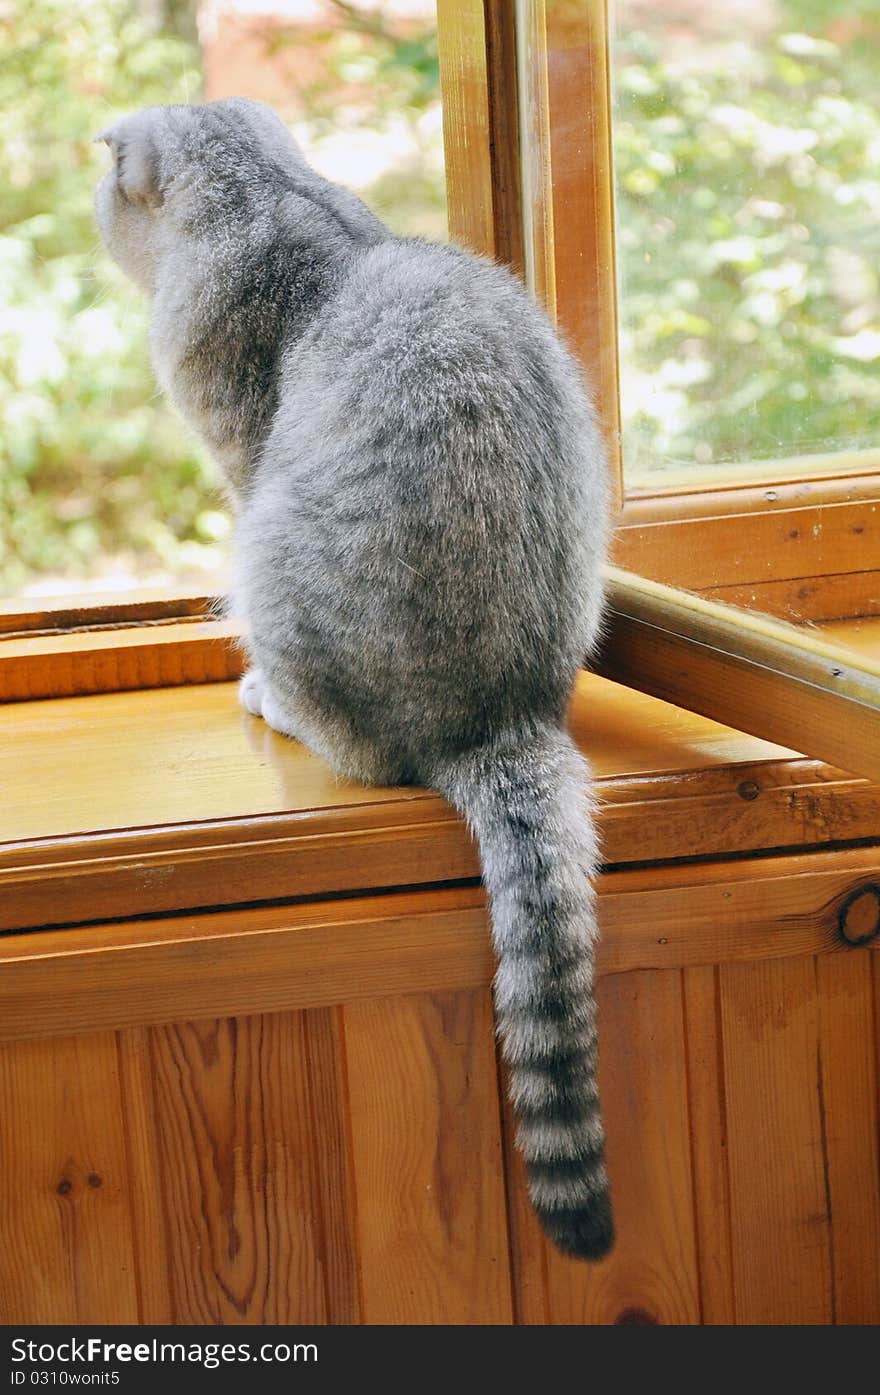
(297, 717)
(256, 696)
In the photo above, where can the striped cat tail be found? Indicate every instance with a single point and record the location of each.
(525, 798)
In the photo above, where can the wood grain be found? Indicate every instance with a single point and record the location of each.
(504, 134)
(734, 550)
(331, 1154)
(146, 1174)
(461, 31)
(45, 614)
(241, 1194)
(709, 1144)
(528, 1250)
(752, 670)
(426, 1143)
(100, 661)
(651, 1275)
(807, 599)
(851, 1127)
(780, 1203)
(579, 106)
(266, 959)
(68, 1252)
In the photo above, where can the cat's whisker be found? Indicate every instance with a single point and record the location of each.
(414, 570)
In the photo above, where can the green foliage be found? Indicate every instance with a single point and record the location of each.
(749, 246)
(380, 75)
(93, 466)
(392, 68)
(97, 475)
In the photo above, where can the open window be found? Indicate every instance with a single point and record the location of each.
(690, 201)
(745, 456)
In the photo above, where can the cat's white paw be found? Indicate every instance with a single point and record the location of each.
(275, 716)
(251, 690)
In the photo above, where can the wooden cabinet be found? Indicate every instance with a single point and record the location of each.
(291, 1112)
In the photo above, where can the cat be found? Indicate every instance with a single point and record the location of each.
(422, 512)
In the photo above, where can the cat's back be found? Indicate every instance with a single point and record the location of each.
(432, 339)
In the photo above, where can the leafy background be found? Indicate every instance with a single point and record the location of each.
(747, 151)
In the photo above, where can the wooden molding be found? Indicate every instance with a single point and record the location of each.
(115, 658)
(750, 671)
(44, 615)
(275, 959)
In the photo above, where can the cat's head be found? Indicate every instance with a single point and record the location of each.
(179, 171)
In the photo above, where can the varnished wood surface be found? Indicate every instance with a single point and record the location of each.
(753, 670)
(91, 610)
(317, 954)
(184, 754)
(347, 1164)
(290, 1113)
(121, 804)
(114, 659)
(804, 543)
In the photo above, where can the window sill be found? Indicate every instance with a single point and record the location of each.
(151, 802)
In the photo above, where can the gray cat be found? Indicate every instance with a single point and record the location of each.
(421, 518)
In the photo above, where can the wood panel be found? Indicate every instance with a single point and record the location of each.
(331, 1124)
(464, 78)
(348, 1165)
(68, 1253)
(709, 1144)
(651, 1275)
(849, 1103)
(426, 1145)
(528, 1248)
(780, 1202)
(241, 1194)
(734, 550)
(146, 1177)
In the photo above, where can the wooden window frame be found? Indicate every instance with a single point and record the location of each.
(753, 542)
(511, 71)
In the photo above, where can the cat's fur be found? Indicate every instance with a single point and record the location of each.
(421, 509)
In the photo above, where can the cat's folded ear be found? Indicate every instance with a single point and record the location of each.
(135, 148)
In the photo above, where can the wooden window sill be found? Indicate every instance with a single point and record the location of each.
(126, 804)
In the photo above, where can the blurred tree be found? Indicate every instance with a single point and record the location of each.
(749, 247)
(178, 17)
(95, 472)
(749, 241)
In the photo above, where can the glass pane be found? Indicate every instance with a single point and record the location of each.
(747, 152)
(101, 485)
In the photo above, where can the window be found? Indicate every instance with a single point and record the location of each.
(801, 544)
(747, 183)
(529, 135)
(102, 486)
